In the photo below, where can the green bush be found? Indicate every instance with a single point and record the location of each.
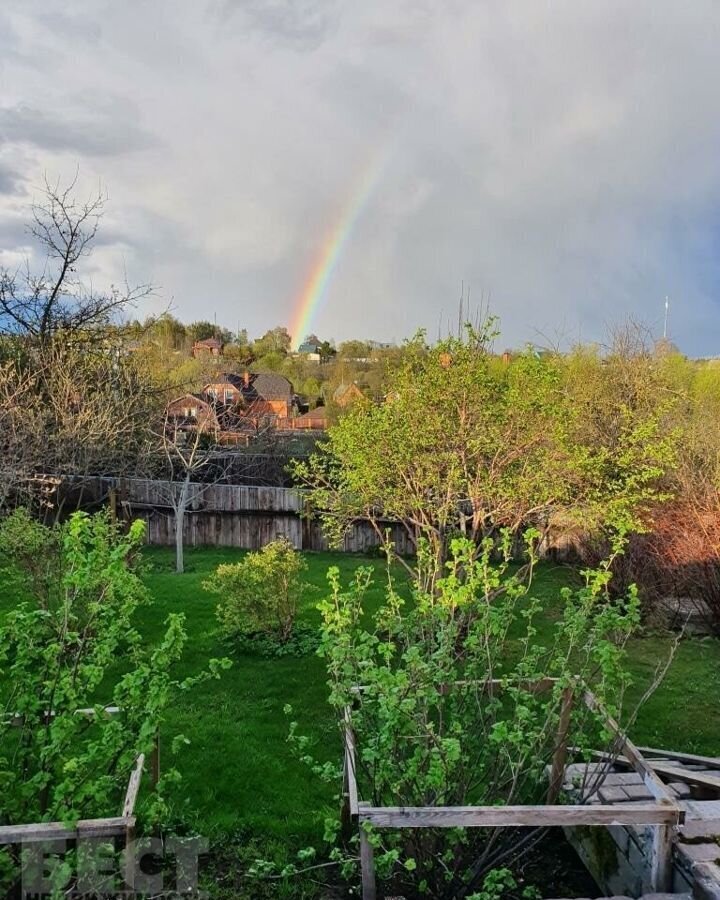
(261, 594)
(440, 694)
(78, 590)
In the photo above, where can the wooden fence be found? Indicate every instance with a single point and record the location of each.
(221, 515)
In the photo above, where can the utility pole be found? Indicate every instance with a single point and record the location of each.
(667, 310)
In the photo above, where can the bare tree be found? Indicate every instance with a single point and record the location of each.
(188, 455)
(39, 304)
(21, 430)
(71, 412)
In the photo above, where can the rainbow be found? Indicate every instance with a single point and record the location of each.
(331, 249)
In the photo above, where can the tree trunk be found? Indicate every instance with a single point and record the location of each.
(179, 560)
(179, 523)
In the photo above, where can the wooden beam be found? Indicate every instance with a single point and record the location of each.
(710, 762)
(367, 864)
(537, 686)
(49, 831)
(518, 816)
(133, 787)
(631, 752)
(351, 776)
(661, 866)
(674, 773)
(18, 719)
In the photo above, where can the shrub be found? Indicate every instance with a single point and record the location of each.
(432, 725)
(260, 595)
(78, 590)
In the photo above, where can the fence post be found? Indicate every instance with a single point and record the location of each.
(661, 858)
(557, 772)
(367, 862)
(155, 761)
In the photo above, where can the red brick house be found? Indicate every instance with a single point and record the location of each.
(193, 411)
(255, 394)
(210, 346)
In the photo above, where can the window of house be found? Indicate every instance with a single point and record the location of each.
(229, 395)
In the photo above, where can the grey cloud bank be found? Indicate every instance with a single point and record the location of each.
(563, 159)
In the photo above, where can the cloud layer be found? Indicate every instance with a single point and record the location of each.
(562, 159)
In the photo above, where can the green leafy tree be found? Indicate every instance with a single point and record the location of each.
(464, 445)
(201, 330)
(326, 351)
(354, 350)
(275, 340)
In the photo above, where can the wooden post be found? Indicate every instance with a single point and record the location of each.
(112, 496)
(155, 761)
(661, 859)
(367, 863)
(561, 745)
(129, 860)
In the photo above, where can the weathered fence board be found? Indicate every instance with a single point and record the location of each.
(222, 515)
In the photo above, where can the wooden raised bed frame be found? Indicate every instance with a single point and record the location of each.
(122, 826)
(663, 813)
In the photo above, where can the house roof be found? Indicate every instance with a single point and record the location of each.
(190, 396)
(211, 343)
(262, 386)
(319, 412)
(343, 389)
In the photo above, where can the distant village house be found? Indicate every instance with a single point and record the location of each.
(345, 394)
(208, 347)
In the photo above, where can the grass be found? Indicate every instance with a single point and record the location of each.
(238, 771)
(241, 784)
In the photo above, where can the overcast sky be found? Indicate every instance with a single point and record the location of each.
(560, 158)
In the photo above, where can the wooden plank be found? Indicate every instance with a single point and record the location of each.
(661, 866)
(677, 773)
(155, 761)
(518, 816)
(133, 787)
(536, 686)
(18, 718)
(631, 752)
(350, 764)
(367, 865)
(47, 831)
(712, 762)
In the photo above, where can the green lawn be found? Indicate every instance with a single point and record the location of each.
(239, 776)
(238, 771)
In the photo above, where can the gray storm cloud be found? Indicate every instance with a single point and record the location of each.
(561, 158)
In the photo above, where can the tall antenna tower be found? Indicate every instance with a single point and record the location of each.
(667, 310)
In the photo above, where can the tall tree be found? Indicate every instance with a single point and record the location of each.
(463, 444)
(40, 302)
(72, 411)
(275, 340)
